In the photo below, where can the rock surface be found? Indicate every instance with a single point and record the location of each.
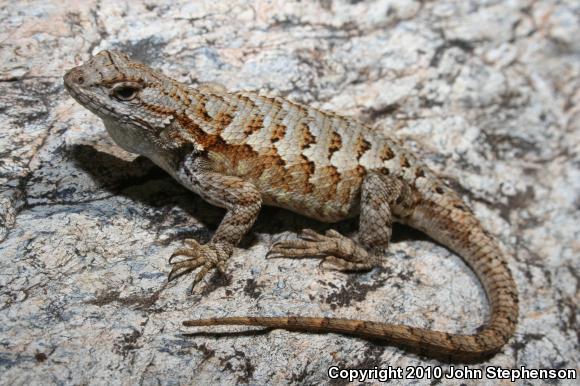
(488, 92)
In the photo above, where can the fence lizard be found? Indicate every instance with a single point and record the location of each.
(242, 150)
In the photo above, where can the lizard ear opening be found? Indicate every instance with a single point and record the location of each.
(125, 91)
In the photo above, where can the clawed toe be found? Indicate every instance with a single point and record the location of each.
(192, 251)
(334, 234)
(193, 244)
(310, 235)
(182, 252)
(207, 256)
(183, 267)
(339, 252)
(309, 244)
(295, 249)
(200, 275)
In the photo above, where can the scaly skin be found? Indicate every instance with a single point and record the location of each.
(241, 150)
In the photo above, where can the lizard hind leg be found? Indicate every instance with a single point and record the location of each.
(375, 227)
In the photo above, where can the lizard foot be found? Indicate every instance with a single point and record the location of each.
(207, 256)
(339, 252)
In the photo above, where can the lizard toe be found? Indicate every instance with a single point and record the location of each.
(183, 267)
(295, 249)
(207, 256)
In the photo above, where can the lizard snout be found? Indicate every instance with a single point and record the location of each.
(74, 76)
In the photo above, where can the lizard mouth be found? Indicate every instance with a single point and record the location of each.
(71, 81)
(77, 94)
(74, 80)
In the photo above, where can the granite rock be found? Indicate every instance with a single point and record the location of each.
(487, 92)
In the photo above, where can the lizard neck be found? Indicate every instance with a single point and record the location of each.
(127, 137)
(133, 141)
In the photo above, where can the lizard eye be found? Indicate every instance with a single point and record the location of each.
(125, 91)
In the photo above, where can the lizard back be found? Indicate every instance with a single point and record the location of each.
(303, 159)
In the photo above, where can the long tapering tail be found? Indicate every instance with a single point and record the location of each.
(449, 222)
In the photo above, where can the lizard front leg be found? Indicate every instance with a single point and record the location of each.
(379, 194)
(240, 198)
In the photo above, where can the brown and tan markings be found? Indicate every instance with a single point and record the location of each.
(248, 114)
(305, 136)
(361, 147)
(254, 125)
(334, 144)
(242, 160)
(222, 120)
(159, 109)
(202, 139)
(278, 133)
(301, 172)
(181, 93)
(386, 153)
(328, 179)
(245, 101)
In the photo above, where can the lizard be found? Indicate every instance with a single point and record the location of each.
(242, 150)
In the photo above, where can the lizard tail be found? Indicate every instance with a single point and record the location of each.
(449, 222)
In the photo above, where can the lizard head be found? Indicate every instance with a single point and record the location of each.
(133, 100)
(108, 84)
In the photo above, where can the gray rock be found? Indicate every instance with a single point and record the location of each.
(486, 91)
